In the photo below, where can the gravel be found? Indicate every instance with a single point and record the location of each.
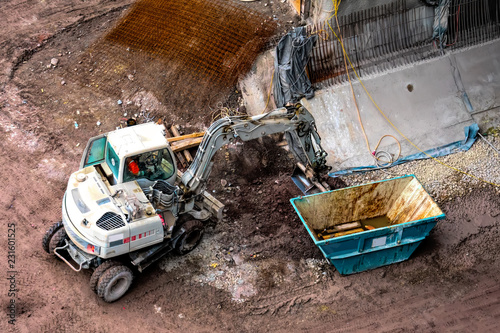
(442, 182)
(213, 265)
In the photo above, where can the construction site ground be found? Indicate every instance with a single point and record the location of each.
(255, 271)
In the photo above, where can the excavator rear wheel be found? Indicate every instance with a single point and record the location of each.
(191, 234)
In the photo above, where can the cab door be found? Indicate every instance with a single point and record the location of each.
(94, 152)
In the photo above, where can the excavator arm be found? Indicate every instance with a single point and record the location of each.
(296, 122)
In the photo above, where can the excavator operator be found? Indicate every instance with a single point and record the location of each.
(133, 167)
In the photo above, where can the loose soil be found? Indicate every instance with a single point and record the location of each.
(257, 270)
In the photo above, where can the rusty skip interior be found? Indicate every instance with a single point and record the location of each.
(366, 207)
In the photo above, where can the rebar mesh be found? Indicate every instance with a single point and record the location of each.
(388, 36)
(472, 21)
(183, 51)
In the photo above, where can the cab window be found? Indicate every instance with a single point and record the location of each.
(112, 160)
(153, 165)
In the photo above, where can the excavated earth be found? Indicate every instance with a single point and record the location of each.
(257, 270)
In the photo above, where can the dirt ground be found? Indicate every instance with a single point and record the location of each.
(255, 271)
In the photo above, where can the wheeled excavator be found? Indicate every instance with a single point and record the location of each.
(128, 205)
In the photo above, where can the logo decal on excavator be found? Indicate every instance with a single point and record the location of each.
(133, 238)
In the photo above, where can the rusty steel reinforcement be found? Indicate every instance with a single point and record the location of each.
(391, 35)
(212, 38)
(176, 49)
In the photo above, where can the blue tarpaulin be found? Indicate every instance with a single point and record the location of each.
(464, 145)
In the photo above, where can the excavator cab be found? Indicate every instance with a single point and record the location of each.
(139, 152)
(154, 165)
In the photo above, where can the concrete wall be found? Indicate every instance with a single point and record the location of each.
(432, 114)
(479, 70)
(322, 10)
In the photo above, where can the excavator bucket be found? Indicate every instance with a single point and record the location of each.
(306, 185)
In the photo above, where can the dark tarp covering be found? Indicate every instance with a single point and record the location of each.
(290, 80)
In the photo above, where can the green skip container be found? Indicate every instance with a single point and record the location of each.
(364, 227)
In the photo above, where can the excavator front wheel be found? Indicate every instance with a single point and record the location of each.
(99, 271)
(114, 283)
(54, 237)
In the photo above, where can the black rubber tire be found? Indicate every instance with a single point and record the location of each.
(191, 234)
(96, 275)
(54, 237)
(114, 283)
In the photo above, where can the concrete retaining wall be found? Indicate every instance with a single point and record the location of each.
(429, 102)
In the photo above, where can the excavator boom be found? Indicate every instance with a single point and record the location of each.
(296, 122)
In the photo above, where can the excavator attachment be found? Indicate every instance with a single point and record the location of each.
(304, 184)
(307, 183)
(300, 133)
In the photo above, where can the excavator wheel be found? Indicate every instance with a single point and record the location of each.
(54, 237)
(191, 234)
(114, 283)
(96, 275)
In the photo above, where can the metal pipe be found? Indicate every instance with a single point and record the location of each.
(482, 137)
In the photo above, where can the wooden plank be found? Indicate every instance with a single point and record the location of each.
(179, 156)
(341, 230)
(187, 136)
(185, 144)
(341, 233)
(349, 232)
(344, 226)
(187, 155)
